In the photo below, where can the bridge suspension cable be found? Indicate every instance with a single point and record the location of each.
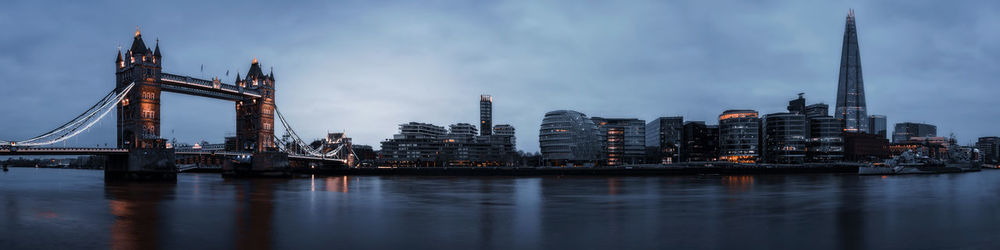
(77, 125)
(299, 143)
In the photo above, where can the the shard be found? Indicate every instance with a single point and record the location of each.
(851, 109)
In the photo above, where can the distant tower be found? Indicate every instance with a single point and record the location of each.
(797, 106)
(485, 114)
(851, 108)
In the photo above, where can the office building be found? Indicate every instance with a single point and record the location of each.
(877, 125)
(906, 130)
(785, 137)
(623, 140)
(663, 138)
(568, 138)
(462, 129)
(699, 142)
(989, 149)
(826, 141)
(851, 107)
(798, 105)
(739, 136)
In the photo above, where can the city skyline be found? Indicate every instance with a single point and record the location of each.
(369, 104)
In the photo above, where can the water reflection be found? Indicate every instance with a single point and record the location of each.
(254, 213)
(738, 184)
(136, 210)
(368, 212)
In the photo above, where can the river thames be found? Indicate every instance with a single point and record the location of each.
(75, 209)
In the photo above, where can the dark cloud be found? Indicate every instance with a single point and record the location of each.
(366, 66)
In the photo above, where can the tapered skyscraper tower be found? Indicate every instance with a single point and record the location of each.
(851, 108)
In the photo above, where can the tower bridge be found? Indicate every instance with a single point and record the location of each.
(141, 153)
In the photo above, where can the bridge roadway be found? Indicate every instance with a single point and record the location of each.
(205, 88)
(118, 151)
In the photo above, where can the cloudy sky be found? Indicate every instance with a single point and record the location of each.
(366, 66)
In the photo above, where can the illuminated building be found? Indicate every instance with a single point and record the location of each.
(663, 139)
(864, 147)
(568, 138)
(877, 125)
(989, 147)
(785, 137)
(486, 114)
(699, 142)
(623, 140)
(826, 141)
(739, 136)
(851, 108)
(906, 130)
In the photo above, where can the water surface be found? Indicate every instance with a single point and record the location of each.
(62, 209)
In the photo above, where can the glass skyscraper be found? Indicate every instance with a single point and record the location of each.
(851, 108)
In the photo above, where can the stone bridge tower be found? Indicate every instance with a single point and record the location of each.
(255, 117)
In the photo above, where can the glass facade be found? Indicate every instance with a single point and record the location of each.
(851, 108)
(568, 137)
(785, 138)
(623, 141)
(663, 139)
(739, 136)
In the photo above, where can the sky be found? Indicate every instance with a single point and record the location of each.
(363, 67)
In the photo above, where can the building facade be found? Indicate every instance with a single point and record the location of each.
(699, 142)
(826, 141)
(905, 131)
(739, 136)
(785, 137)
(663, 139)
(506, 130)
(864, 147)
(568, 138)
(623, 140)
(989, 149)
(877, 124)
(851, 107)
(486, 114)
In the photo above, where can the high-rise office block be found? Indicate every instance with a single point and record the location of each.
(826, 140)
(819, 109)
(798, 105)
(663, 138)
(486, 114)
(851, 108)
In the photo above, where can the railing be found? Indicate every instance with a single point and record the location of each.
(209, 84)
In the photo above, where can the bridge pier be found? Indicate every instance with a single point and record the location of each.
(142, 164)
(261, 164)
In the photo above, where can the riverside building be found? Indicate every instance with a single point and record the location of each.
(663, 139)
(739, 136)
(623, 140)
(699, 142)
(851, 107)
(568, 138)
(785, 137)
(907, 130)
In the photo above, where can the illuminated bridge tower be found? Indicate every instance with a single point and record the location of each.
(138, 116)
(255, 117)
(255, 126)
(851, 108)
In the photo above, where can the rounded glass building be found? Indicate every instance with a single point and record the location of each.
(568, 138)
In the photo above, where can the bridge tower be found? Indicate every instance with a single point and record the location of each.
(255, 125)
(138, 115)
